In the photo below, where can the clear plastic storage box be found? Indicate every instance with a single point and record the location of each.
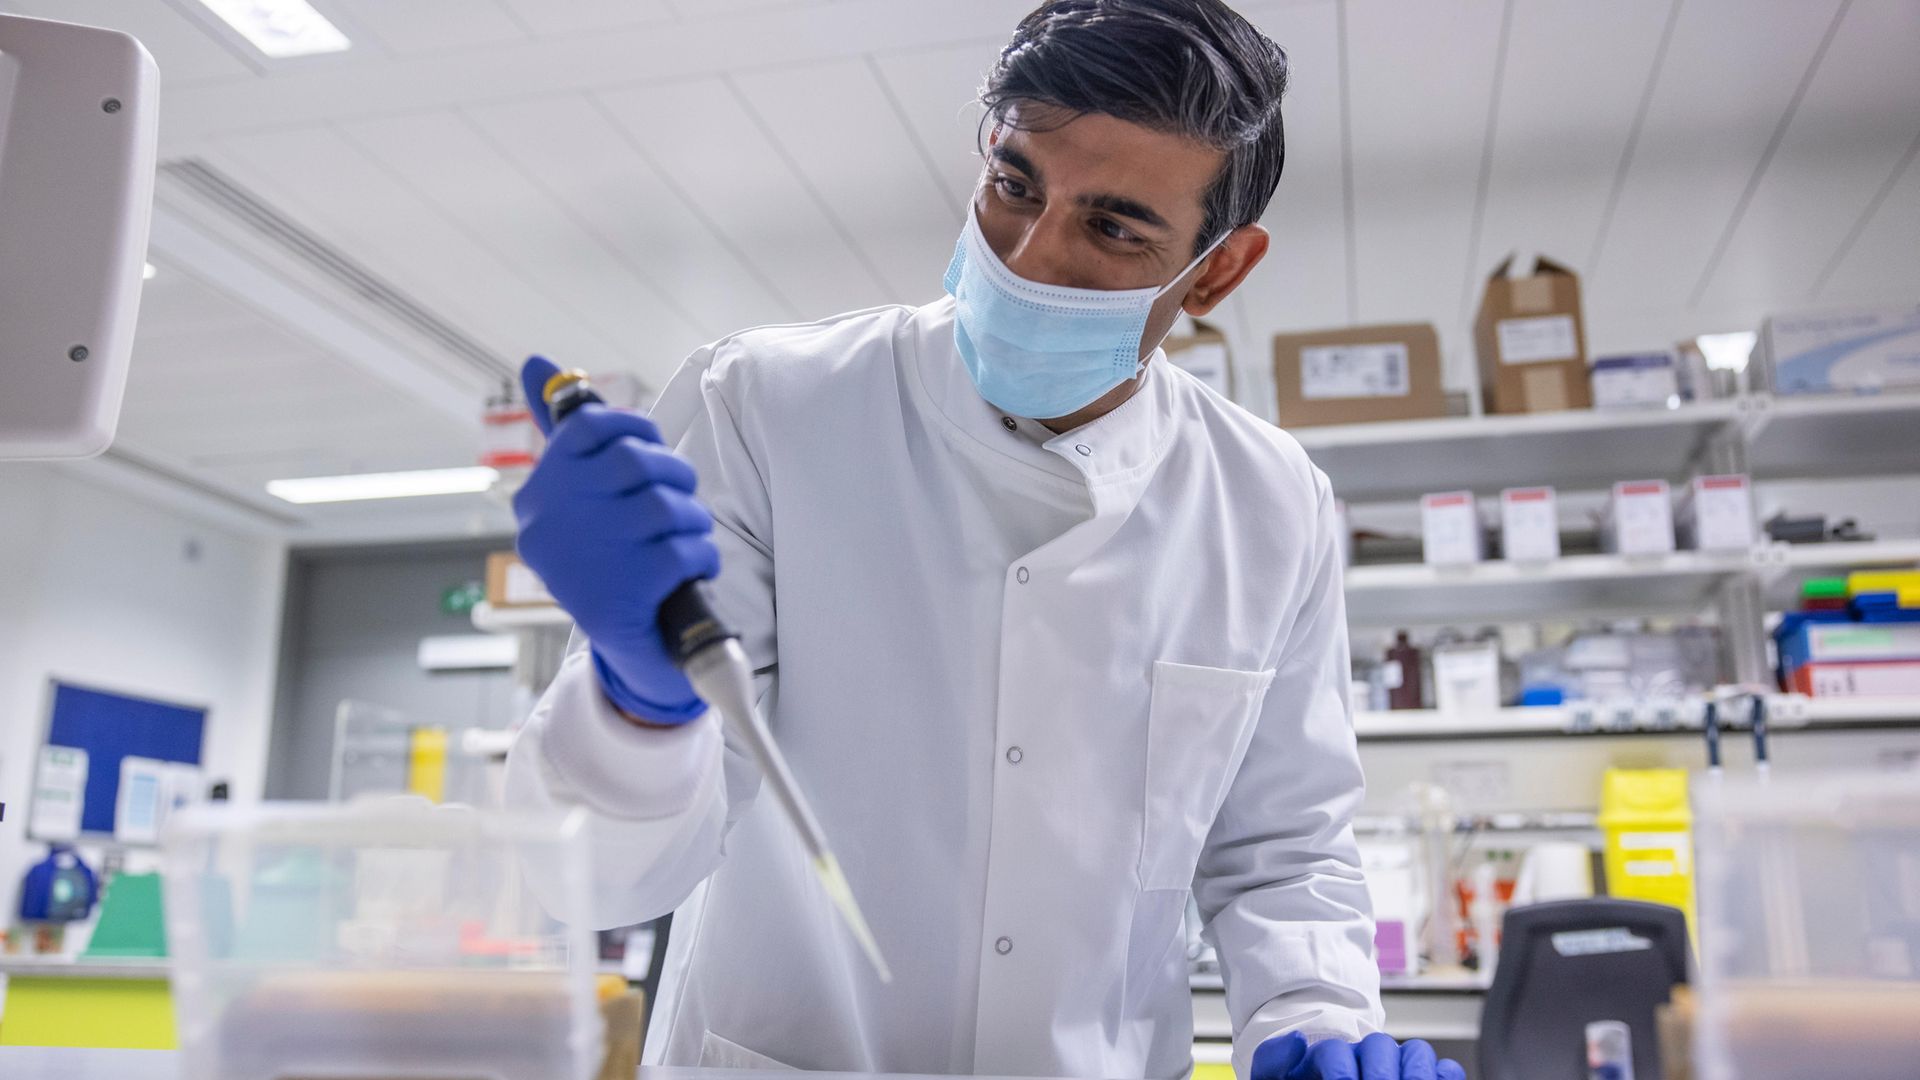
(382, 938)
(1809, 893)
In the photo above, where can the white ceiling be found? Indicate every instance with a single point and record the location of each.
(613, 182)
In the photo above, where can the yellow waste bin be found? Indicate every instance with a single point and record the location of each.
(1649, 836)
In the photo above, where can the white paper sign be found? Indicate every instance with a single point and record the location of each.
(59, 792)
(1353, 371)
(1207, 360)
(1532, 341)
(523, 586)
(141, 806)
(1530, 526)
(1466, 679)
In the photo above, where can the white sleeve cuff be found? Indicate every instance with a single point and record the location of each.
(611, 764)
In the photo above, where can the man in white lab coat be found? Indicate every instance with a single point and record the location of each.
(1052, 635)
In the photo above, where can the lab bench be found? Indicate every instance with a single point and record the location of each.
(36, 1063)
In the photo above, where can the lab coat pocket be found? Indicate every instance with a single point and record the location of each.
(1198, 725)
(719, 1053)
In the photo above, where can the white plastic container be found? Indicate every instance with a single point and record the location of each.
(1809, 893)
(383, 938)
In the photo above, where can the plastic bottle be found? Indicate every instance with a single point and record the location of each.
(1411, 663)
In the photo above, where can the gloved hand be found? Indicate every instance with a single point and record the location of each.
(609, 522)
(1376, 1057)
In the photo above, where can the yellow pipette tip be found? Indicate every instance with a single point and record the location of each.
(841, 893)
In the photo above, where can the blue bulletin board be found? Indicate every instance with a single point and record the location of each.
(111, 726)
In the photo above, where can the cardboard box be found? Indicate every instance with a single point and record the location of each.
(1529, 525)
(512, 583)
(1530, 338)
(1847, 352)
(1638, 519)
(1882, 679)
(1716, 514)
(1359, 374)
(1636, 381)
(1201, 350)
(1450, 531)
(1466, 678)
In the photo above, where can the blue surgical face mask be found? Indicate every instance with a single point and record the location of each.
(1043, 351)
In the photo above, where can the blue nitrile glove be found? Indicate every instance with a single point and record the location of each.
(1376, 1057)
(608, 520)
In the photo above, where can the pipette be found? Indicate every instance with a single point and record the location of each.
(709, 652)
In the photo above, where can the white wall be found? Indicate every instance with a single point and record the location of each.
(101, 587)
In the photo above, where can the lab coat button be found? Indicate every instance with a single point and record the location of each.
(1009, 423)
(1014, 755)
(1084, 449)
(1003, 946)
(1021, 575)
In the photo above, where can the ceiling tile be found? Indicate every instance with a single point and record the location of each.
(1853, 128)
(1302, 282)
(227, 395)
(721, 161)
(1727, 80)
(1421, 80)
(649, 52)
(1574, 78)
(183, 51)
(424, 26)
(455, 167)
(332, 187)
(1880, 267)
(596, 170)
(875, 183)
(934, 89)
(554, 18)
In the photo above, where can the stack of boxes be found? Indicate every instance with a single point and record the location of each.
(1857, 636)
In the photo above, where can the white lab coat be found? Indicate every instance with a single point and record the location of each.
(1037, 687)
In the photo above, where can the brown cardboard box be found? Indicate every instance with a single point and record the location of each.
(512, 583)
(1531, 341)
(1358, 374)
(1203, 352)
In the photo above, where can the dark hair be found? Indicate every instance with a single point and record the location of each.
(1189, 67)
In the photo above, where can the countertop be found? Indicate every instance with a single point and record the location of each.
(36, 1063)
(62, 967)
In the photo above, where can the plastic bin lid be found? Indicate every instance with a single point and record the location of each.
(1644, 797)
(1824, 588)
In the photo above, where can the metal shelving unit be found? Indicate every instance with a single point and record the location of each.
(1785, 713)
(1783, 437)
(1577, 448)
(1406, 593)
(1795, 437)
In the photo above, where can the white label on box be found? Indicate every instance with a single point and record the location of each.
(1529, 525)
(1721, 514)
(523, 586)
(1535, 340)
(1206, 361)
(1641, 519)
(1632, 388)
(1450, 528)
(1865, 680)
(1354, 371)
(1466, 679)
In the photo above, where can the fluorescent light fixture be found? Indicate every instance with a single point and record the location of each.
(280, 28)
(147, 271)
(393, 485)
(1727, 352)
